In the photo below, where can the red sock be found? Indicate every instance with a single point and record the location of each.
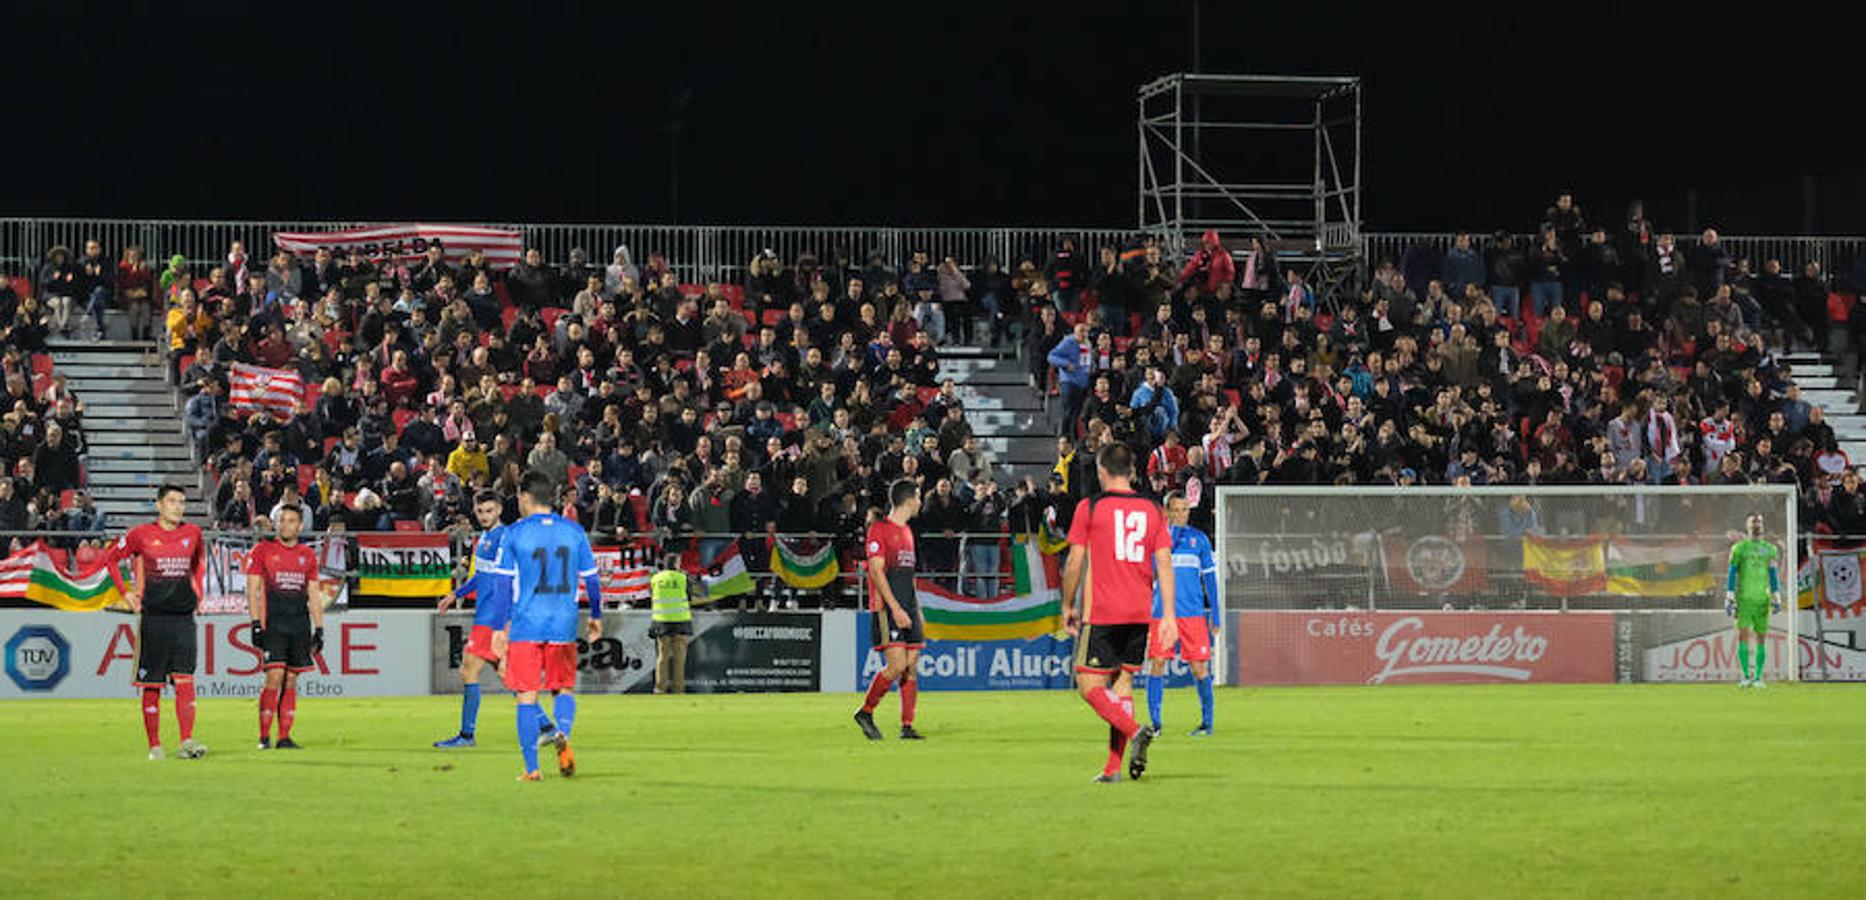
(910, 693)
(1106, 705)
(152, 715)
(288, 710)
(268, 707)
(877, 689)
(184, 705)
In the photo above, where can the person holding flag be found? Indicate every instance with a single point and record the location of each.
(1197, 609)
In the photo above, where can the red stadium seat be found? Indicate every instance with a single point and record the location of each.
(773, 317)
(402, 417)
(543, 390)
(927, 394)
(683, 364)
(1233, 398)
(407, 525)
(505, 297)
(200, 286)
(550, 315)
(575, 472)
(788, 419)
(65, 497)
(307, 473)
(330, 442)
(1324, 321)
(508, 391)
(507, 316)
(21, 285)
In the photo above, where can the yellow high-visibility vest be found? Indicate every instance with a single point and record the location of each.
(668, 590)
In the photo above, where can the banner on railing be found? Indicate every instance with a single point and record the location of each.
(1841, 596)
(625, 572)
(501, 246)
(403, 565)
(720, 577)
(805, 563)
(224, 588)
(38, 574)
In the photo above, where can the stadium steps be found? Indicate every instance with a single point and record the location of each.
(1011, 418)
(132, 426)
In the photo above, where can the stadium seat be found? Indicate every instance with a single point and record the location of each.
(1324, 321)
(407, 525)
(1233, 398)
(21, 285)
(330, 442)
(505, 298)
(788, 419)
(508, 391)
(65, 497)
(507, 315)
(307, 473)
(773, 317)
(543, 390)
(41, 365)
(683, 364)
(735, 294)
(551, 314)
(402, 417)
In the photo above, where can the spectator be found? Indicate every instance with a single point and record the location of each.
(58, 285)
(1071, 358)
(1064, 274)
(1210, 267)
(135, 288)
(985, 520)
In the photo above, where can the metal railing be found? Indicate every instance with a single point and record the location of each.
(1834, 253)
(647, 547)
(699, 253)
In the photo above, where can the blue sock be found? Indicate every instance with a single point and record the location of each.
(469, 709)
(1156, 692)
(528, 734)
(1205, 700)
(566, 712)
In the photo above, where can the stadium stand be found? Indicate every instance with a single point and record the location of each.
(1592, 354)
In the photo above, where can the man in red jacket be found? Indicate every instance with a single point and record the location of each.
(1211, 266)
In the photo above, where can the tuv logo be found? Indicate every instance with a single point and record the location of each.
(37, 658)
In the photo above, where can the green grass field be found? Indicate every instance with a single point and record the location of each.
(1544, 790)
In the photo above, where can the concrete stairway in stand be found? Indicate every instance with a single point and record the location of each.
(132, 426)
(1010, 417)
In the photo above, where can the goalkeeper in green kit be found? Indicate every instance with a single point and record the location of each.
(1749, 595)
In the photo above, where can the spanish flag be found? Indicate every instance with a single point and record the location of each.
(1565, 567)
(41, 574)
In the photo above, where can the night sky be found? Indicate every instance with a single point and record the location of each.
(964, 114)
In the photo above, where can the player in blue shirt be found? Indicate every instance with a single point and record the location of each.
(1197, 606)
(544, 555)
(492, 605)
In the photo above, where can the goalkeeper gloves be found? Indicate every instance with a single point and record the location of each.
(1775, 605)
(1729, 604)
(317, 642)
(259, 632)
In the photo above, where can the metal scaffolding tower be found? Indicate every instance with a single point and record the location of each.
(1269, 156)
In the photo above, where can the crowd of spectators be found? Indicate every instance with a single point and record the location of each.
(788, 402)
(1603, 354)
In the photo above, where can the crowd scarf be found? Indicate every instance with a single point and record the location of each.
(1662, 433)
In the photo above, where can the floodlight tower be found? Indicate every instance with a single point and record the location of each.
(1271, 156)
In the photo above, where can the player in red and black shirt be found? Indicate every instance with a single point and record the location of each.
(287, 603)
(893, 609)
(168, 559)
(1122, 541)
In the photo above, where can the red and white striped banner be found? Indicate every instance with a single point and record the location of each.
(502, 247)
(277, 391)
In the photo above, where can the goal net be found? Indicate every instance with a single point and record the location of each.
(1390, 585)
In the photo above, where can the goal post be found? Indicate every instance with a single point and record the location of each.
(1578, 583)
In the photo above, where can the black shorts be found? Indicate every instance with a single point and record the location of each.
(287, 643)
(1101, 649)
(165, 648)
(883, 632)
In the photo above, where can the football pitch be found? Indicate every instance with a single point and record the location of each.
(1421, 791)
